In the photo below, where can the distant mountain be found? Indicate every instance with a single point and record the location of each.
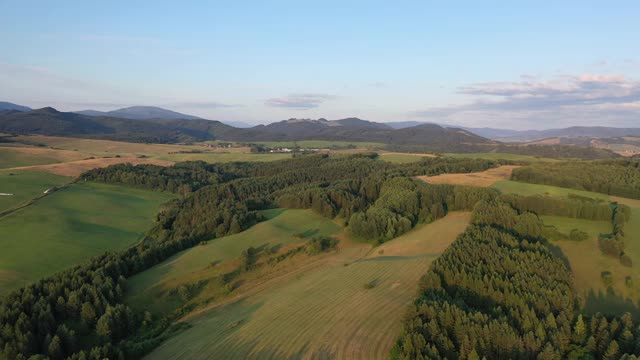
(239, 124)
(431, 136)
(139, 113)
(49, 121)
(490, 133)
(11, 106)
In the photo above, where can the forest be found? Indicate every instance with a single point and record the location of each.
(499, 292)
(612, 177)
(79, 313)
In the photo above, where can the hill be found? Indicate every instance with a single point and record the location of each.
(139, 113)
(435, 137)
(570, 132)
(11, 106)
(49, 121)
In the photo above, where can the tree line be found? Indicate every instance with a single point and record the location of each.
(499, 292)
(612, 177)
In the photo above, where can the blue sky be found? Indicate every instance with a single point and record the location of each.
(511, 64)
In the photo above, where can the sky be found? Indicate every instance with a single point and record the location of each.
(507, 64)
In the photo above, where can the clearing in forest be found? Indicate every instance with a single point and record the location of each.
(351, 307)
(483, 178)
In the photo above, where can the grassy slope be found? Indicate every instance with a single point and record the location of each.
(71, 225)
(277, 231)
(325, 312)
(25, 185)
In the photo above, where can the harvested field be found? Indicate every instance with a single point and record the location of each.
(75, 168)
(326, 312)
(484, 178)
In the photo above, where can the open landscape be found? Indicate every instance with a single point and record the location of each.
(319, 180)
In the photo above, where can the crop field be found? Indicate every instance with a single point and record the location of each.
(483, 178)
(277, 231)
(326, 312)
(25, 185)
(71, 225)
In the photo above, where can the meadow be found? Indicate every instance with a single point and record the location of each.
(350, 307)
(146, 290)
(25, 185)
(526, 189)
(71, 225)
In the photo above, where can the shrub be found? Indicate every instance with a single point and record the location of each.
(370, 285)
(607, 278)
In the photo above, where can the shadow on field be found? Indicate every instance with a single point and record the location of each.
(610, 303)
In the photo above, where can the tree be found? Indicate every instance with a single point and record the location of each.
(612, 351)
(579, 330)
(88, 314)
(55, 348)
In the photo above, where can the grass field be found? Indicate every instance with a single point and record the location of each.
(482, 178)
(526, 189)
(69, 226)
(498, 156)
(326, 312)
(26, 156)
(25, 185)
(588, 262)
(189, 265)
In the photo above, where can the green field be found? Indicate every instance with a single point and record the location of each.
(224, 157)
(498, 156)
(526, 189)
(25, 185)
(71, 225)
(276, 231)
(320, 144)
(326, 312)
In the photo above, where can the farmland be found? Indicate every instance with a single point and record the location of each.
(25, 185)
(189, 265)
(325, 312)
(484, 178)
(70, 226)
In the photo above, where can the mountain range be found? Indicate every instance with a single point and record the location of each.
(169, 126)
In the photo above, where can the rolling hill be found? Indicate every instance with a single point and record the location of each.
(4, 106)
(139, 113)
(49, 121)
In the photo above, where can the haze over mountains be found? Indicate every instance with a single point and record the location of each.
(169, 126)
